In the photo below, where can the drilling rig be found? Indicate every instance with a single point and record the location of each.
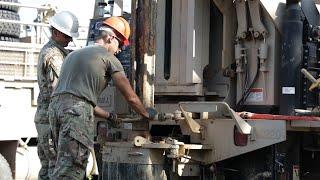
(230, 80)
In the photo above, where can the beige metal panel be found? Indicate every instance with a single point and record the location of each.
(126, 152)
(229, 28)
(263, 94)
(166, 108)
(112, 100)
(187, 38)
(189, 46)
(307, 124)
(175, 43)
(18, 60)
(194, 40)
(159, 78)
(16, 112)
(212, 146)
(228, 32)
(265, 133)
(201, 39)
(193, 89)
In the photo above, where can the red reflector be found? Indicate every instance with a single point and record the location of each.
(239, 138)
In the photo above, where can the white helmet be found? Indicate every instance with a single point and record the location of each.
(65, 22)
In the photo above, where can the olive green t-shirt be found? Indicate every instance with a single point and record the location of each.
(86, 72)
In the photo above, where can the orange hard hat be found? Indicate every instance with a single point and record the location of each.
(121, 26)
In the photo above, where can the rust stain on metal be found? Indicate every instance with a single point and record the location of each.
(146, 14)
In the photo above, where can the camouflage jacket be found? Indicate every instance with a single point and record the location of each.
(49, 65)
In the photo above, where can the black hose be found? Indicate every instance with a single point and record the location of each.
(247, 90)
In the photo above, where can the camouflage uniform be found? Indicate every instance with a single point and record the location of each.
(49, 64)
(84, 75)
(72, 122)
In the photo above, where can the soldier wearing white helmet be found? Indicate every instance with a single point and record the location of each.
(64, 24)
(64, 27)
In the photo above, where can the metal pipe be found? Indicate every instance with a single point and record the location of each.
(130, 120)
(256, 116)
(302, 112)
(290, 81)
(145, 42)
(308, 75)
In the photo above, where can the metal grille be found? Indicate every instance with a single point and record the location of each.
(18, 65)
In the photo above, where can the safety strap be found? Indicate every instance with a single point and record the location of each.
(54, 68)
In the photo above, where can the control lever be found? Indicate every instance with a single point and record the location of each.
(315, 82)
(194, 126)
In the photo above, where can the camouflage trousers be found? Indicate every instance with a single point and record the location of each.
(44, 150)
(72, 124)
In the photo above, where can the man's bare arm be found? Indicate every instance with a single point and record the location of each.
(122, 83)
(99, 112)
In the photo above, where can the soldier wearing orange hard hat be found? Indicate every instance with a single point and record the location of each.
(84, 75)
(120, 26)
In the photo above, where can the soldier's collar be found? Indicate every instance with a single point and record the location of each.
(64, 50)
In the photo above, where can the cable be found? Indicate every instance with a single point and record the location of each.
(247, 90)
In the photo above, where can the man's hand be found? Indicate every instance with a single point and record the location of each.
(113, 120)
(152, 113)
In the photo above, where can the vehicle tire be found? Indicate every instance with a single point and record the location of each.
(10, 8)
(5, 171)
(9, 29)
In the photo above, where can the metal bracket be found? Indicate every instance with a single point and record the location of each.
(139, 141)
(194, 126)
(221, 107)
(241, 10)
(258, 27)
